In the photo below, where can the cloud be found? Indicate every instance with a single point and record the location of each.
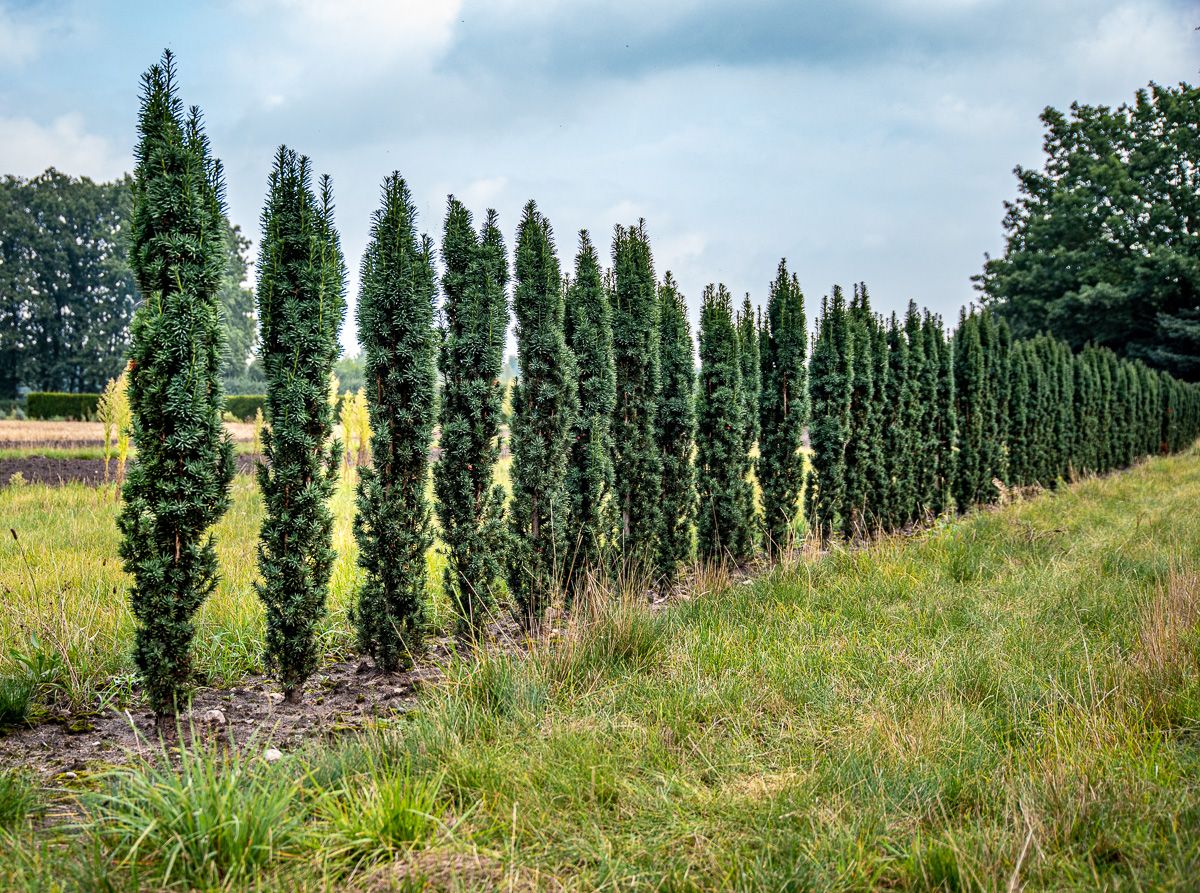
(1123, 39)
(29, 147)
(21, 37)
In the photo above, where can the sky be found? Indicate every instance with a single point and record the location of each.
(863, 140)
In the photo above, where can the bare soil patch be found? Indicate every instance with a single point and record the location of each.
(57, 471)
(341, 698)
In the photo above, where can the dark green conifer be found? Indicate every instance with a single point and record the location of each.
(469, 504)
(396, 331)
(178, 484)
(860, 451)
(919, 406)
(783, 408)
(676, 419)
(301, 305)
(589, 481)
(945, 424)
(899, 460)
(831, 384)
(636, 355)
(544, 406)
(972, 483)
(723, 526)
(748, 356)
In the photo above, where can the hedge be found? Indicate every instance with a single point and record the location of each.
(243, 406)
(54, 405)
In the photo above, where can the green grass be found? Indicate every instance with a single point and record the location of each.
(1007, 701)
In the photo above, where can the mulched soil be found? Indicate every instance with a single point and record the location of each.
(55, 471)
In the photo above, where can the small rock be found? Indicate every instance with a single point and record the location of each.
(214, 718)
(69, 776)
(272, 755)
(275, 697)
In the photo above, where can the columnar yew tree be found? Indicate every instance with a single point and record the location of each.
(831, 382)
(544, 406)
(898, 459)
(178, 486)
(751, 374)
(635, 351)
(783, 407)
(860, 452)
(589, 481)
(722, 524)
(676, 420)
(301, 304)
(470, 505)
(918, 407)
(395, 329)
(946, 426)
(970, 389)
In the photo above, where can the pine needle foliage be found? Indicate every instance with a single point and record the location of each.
(178, 485)
(831, 382)
(723, 525)
(301, 305)
(470, 505)
(544, 406)
(636, 356)
(783, 408)
(676, 420)
(590, 480)
(396, 331)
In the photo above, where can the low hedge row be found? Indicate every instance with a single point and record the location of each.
(55, 405)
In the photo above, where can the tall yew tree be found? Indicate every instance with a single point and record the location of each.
(635, 351)
(470, 505)
(783, 407)
(178, 486)
(831, 384)
(723, 525)
(301, 304)
(544, 404)
(676, 418)
(395, 329)
(588, 324)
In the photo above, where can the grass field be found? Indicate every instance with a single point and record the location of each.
(1010, 701)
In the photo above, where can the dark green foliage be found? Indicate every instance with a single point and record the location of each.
(301, 305)
(246, 406)
(178, 483)
(862, 454)
(972, 481)
(676, 420)
(831, 383)
(67, 293)
(589, 481)
(544, 406)
(52, 405)
(722, 522)
(636, 356)
(898, 458)
(783, 407)
(1102, 243)
(470, 506)
(748, 356)
(395, 329)
(943, 429)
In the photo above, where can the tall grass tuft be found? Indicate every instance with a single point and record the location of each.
(18, 799)
(217, 818)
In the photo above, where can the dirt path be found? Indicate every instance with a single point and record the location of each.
(56, 472)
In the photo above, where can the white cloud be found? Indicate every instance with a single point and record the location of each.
(20, 39)
(1128, 40)
(483, 193)
(29, 147)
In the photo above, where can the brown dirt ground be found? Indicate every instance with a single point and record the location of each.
(56, 471)
(340, 698)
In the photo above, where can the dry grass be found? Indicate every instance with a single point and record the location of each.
(34, 433)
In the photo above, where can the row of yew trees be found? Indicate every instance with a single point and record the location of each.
(623, 456)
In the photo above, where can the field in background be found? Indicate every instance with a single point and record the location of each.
(1008, 701)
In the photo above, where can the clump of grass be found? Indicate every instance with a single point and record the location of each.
(16, 698)
(1166, 658)
(217, 818)
(385, 809)
(18, 799)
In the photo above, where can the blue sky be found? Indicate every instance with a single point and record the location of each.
(862, 139)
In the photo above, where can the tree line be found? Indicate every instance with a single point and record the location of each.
(625, 456)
